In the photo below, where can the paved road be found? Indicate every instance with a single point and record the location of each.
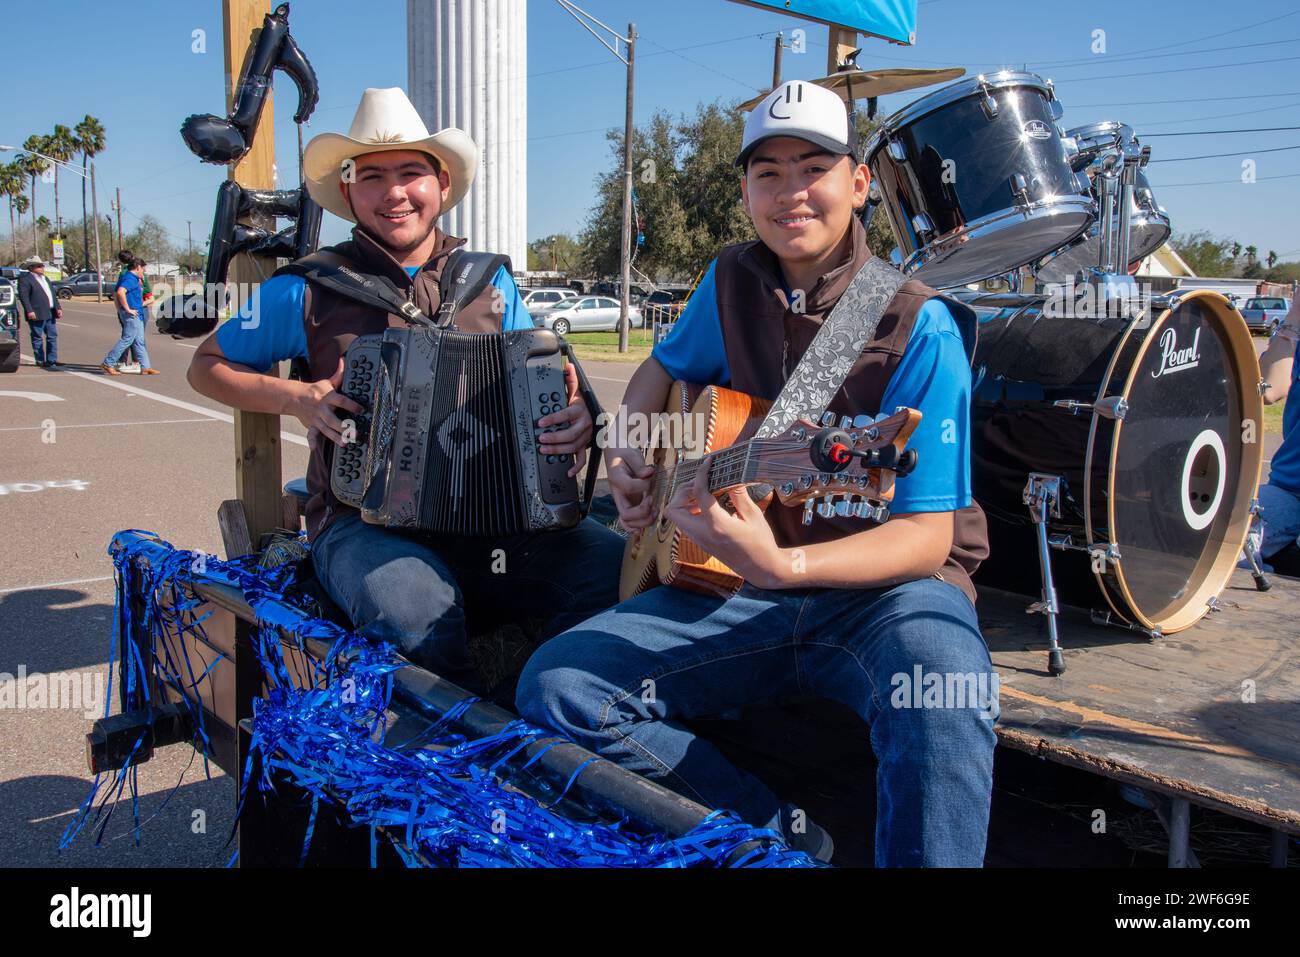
(83, 455)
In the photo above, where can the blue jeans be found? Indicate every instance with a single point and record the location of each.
(1278, 524)
(622, 683)
(45, 341)
(132, 335)
(417, 592)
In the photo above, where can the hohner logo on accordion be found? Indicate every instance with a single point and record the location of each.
(447, 440)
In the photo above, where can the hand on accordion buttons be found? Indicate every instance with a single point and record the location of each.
(316, 403)
(572, 426)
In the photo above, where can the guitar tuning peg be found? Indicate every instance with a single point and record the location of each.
(828, 418)
(862, 421)
(845, 422)
(808, 511)
(845, 508)
(826, 509)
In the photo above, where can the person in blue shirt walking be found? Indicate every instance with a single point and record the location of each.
(129, 296)
(864, 615)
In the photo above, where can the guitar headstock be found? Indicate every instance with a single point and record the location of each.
(851, 466)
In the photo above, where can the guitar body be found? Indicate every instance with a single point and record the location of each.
(661, 554)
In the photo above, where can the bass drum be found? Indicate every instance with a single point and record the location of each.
(1155, 502)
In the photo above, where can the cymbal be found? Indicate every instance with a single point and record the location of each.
(869, 83)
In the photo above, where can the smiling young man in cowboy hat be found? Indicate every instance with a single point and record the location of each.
(393, 179)
(839, 609)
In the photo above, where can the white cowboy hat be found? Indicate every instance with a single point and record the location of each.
(385, 120)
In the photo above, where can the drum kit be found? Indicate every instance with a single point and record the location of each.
(1116, 434)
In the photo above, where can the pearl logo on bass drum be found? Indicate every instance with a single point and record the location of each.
(1173, 359)
(1038, 130)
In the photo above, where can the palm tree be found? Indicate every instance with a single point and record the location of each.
(34, 166)
(11, 184)
(1271, 259)
(1236, 250)
(62, 146)
(90, 140)
(1251, 253)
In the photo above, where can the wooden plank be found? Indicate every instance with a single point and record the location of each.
(842, 42)
(257, 435)
(1209, 714)
(234, 528)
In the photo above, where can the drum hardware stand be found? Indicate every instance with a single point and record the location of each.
(1111, 407)
(1043, 496)
(1106, 618)
(1251, 550)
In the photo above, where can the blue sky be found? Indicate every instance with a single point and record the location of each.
(1170, 66)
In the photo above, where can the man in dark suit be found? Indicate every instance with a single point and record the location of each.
(41, 307)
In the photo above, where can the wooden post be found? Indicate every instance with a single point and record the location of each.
(257, 434)
(843, 41)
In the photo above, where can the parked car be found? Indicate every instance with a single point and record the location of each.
(82, 284)
(1265, 313)
(10, 311)
(11, 272)
(544, 297)
(587, 314)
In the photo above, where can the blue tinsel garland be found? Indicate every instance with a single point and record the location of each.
(440, 795)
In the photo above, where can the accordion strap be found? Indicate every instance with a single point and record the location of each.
(332, 271)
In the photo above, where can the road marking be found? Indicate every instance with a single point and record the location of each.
(601, 378)
(74, 581)
(178, 403)
(100, 425)
(34, 396)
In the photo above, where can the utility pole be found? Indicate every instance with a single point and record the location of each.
(625, 243)
(776, 60)
(625, 255)
(189, 230)
(118, 206)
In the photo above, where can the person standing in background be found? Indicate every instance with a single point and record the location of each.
(41, 308)
(129, 296)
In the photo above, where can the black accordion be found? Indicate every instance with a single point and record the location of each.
(447, 440)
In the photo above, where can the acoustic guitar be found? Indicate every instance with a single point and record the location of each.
(850, 467)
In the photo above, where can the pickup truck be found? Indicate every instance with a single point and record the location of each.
(10, 351)
(1265, 313)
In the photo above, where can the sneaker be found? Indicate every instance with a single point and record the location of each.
(150, 371)
(814, 841)
(107, 369)
(56, 366)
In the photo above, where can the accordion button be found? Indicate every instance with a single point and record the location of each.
(555, 397)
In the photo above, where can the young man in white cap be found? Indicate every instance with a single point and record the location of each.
(840, 609)
(393, 179)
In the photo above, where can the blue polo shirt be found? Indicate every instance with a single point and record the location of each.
(933, 377)
(134, 290)
(273, 331)
(1285, 470)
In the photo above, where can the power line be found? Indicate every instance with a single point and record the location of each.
(1186, 159)
(1189, 99)
(1185, 69)
(1258, 129)
(1218, 116)
(1222, 182)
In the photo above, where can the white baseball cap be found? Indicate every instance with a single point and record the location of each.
(802, 109)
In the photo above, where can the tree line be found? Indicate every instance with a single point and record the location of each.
(687, 201)
(18, 180)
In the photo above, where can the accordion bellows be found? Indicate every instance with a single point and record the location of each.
(447, 442)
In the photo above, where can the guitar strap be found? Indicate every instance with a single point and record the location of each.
(835, 349)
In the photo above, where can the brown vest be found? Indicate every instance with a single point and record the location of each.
(332, 322)
(764, 340)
